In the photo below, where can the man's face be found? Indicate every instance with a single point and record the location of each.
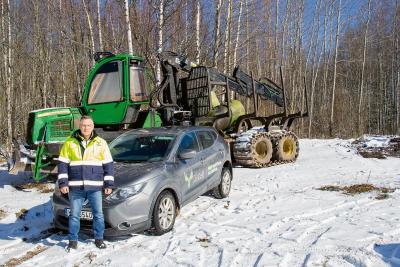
(86, 126)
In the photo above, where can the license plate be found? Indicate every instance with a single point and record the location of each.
(86, 215)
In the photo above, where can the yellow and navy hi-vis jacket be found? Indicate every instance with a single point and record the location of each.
(89, 168)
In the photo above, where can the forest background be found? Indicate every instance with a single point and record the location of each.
(347, 50)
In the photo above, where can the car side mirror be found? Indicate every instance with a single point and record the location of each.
(187, 154)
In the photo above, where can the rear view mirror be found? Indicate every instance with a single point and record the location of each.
(187, 154)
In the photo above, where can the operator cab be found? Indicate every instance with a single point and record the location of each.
(115, 89)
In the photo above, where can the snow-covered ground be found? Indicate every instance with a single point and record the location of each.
(273, 217)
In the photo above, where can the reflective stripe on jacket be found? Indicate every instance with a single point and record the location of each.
(89, 168)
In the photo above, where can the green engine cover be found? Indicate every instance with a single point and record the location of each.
(58, 123)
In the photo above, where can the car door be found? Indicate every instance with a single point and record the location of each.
(211, 154)
(189, 171)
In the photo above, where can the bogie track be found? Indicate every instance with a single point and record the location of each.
(257, 148)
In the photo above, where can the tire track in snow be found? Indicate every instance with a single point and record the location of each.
(312, 234)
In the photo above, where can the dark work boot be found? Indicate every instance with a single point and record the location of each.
(100, 244)
(72, 245)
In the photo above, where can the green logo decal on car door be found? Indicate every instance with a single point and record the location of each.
(188, 178)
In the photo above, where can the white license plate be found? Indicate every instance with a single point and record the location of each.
(86, 215)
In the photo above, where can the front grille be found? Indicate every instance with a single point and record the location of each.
(84, 224)
(60, 128)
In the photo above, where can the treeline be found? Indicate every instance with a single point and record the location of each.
(348, 50)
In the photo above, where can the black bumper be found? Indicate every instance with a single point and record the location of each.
(86, 226)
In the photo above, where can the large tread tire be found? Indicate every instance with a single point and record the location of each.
(222, 190)
(258, 152)
(164, 213)
(286, 147)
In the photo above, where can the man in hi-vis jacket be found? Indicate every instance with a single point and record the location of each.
(85, 168)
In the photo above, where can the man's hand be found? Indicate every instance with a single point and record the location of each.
(107, 191)
(64, 190)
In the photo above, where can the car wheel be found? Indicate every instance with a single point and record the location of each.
(164, 213)
(222, 190)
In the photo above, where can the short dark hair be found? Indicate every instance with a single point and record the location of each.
(86, 117)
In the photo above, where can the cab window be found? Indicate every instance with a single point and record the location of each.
(137, 84)
(206, 138)
(106, 85)
(188, 142)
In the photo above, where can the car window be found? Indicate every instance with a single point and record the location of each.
(188, 142)
(206, 138)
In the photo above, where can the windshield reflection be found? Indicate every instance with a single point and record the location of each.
(141, 148)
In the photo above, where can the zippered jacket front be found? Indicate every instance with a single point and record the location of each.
(85, 164)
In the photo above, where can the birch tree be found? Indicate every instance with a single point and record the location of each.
(335, 69)
(360, 103)
(227, 37)
(128, 26)
(217, 32)
(198, 16)
(237, 33)
(160, 38)
(89, 21)
(99, 26)
(7, 67)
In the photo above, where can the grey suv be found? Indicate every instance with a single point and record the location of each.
(157, 171)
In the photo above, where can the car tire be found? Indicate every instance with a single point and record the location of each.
(164, 213)
(222, 190)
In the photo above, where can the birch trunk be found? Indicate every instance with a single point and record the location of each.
(217, 32)
(276, 41)
(228, 38)
(360, 124)
(63, 87)
(99, 26)
(128, 26)
(396, 75)
(7, 62)
(198, 15)
(247, 39)
(160, 38)
(237, 34)
(88, 18)
(335, 70)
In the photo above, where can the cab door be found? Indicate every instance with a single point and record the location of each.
(104, 95)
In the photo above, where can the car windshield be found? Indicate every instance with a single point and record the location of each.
(141, 148)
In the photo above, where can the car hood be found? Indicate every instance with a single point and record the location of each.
(130, 173)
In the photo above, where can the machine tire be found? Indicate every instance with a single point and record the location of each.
(261, 149)
(164, 213)
(222, 190)
(287, 147)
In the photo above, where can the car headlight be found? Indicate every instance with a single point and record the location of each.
(121, 194)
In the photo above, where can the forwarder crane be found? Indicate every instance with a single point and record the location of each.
(206, 94)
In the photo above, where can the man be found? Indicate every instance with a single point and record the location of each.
(85, 168)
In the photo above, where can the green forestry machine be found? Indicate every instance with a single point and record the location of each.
(116, 96)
